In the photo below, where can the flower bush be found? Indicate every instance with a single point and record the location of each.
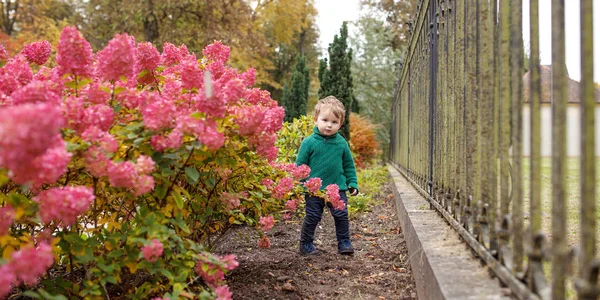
(363, 141)
(120, 170)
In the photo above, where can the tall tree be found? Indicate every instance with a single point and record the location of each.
(396, 15)
(337, 79)
(374, 72)
(295, 96)
(290, 30)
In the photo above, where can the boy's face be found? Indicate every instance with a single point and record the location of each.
(327, 122)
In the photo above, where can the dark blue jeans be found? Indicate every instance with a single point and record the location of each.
(314, 212)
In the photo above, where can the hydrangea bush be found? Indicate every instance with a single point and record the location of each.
(121, 169)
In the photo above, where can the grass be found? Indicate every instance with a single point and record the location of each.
(572, 194)
(370, 182)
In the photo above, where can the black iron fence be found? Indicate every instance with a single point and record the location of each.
(457, 135)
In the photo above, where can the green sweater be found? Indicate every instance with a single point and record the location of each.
(329, 158)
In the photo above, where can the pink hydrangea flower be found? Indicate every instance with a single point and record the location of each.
(210, 273)
(232, 90)
(144, 184)
(191, 75)
(147, 57)
(314, 184)
(100, 115)
(30, 263)
(248, 119)
(230, 201)
(44, 169)
(26, 131)
(3, 53)
(96, 161)
(35, 92)
(129, 98)
(153, 251)
(216, 69)
(64, 203)
(96, 94)
(117, 58)
(212, 138)
(273, 120)
(171, 55)
(144, 165)
(159, 114)
(37, 52)
(257, 96)
(301, 172)
(102, 139)
(7, 217)
(122, 174)
(286, 216)
(283, 187)
(18, 67)
(291, 205)
(230, 261)
(172, 141)
(332, 192)
(223, 293)
(263, 145)
(266, 223)
(7, 277)
(267, 182)
(8, 84)
(74, 54)
(264, 242)
(217, 52)
(248, 77)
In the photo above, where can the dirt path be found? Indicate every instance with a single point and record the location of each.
(378, 270)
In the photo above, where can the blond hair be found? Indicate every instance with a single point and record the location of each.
(332, 104)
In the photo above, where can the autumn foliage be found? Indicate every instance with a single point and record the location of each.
(363, 141)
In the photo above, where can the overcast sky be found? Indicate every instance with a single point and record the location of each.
(572, 35)
(333, 12)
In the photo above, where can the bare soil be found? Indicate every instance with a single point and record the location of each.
(379, 269)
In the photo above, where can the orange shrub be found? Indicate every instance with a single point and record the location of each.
(363, 142)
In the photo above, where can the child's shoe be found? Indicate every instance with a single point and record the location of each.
(308, 249)
(345, 247)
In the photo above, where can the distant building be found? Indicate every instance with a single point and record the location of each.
(573, 115)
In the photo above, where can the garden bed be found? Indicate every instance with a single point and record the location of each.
(379, 269)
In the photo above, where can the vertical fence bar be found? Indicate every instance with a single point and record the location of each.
(516, 133)
(587, 286)
(451, 192)
(494, 152)
(487, 118)
(471, 105)
(444, 100)
(504, 139)
(433, 78)
(460, 96)
(536, 279)
(559, 101)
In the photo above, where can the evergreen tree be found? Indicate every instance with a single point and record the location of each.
(295, 96)
(337, 79)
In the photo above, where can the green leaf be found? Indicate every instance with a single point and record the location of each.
(31, 294)
(178, 199)
(192, 175)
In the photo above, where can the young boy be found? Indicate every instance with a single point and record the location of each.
(329, 158)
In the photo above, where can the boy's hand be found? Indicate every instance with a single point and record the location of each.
(353, 191)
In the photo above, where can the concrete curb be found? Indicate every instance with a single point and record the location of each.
(444, 267)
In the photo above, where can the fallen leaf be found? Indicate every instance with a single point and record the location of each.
(288, 287)
(322, 282)
(344, 272)
(271, 274)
